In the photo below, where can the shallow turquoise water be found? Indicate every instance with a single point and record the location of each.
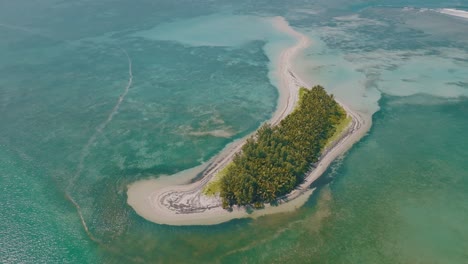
(399, 196)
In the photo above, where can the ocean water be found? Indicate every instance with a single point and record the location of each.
(199, 75)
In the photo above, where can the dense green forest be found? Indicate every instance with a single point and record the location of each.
(274, 161)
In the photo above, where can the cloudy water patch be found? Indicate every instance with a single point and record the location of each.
(214, 30)
(360, 56)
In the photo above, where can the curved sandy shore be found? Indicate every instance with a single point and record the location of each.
(175, 201)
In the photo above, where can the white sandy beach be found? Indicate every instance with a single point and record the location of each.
(174, 201)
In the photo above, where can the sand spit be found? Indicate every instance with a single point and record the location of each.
(175, 201)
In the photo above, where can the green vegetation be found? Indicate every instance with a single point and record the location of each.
(274, 161)
(214, 186)
(302, 91)
(339, 128)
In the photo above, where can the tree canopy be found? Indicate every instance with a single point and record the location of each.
(274, 160)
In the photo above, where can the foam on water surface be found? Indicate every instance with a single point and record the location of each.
(454, 12)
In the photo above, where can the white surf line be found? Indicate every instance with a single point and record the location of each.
(453, 12)
(91, 140)
(99, 129)
(83, 222)
(103, 125)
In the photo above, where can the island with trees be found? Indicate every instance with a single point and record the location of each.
(272, 170)
(275, 159)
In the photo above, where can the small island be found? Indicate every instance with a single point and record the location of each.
(268, 172)
(275, 160)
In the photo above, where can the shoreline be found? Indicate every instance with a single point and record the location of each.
(171, 201)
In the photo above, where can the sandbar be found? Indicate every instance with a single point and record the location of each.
(176, 200)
